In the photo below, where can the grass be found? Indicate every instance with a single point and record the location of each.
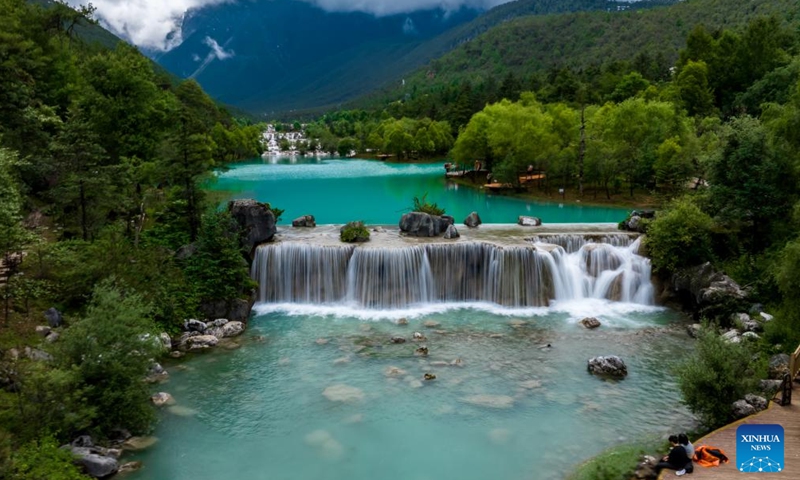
(618, 462)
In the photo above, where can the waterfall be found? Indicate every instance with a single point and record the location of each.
(549, 268)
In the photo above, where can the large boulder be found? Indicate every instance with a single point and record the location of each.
(526, 221)
(237, 309)
(743, 322)
(778, 366)
(54, 317)
(97, 466)
(472, 220)
(741, 409)
(610, 366)
(232, 329)
(305, 221)
(420, 224)
(636, 221)
(199, 342)
(590, 322)
(255, 221)
(193, 325)
(709, 293)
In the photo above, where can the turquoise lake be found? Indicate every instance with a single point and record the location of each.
(342, 190)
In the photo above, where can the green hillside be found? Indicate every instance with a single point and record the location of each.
(540, 45)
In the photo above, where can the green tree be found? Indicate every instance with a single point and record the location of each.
(695, 94)
(679, 236)
(12, 234)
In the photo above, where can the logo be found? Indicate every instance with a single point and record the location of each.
(759, 448)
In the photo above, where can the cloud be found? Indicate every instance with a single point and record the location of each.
(153, 24)
(217, 53)
(390, 7)
(408, 27)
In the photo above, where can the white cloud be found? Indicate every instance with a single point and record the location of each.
(147, 23)
(155, 24)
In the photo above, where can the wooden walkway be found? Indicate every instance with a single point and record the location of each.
(725, 438)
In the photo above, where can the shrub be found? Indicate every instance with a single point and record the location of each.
(43, 460)
(679, 237)
(717, 374)
(275, 211)
(354, 232)
(422, 205)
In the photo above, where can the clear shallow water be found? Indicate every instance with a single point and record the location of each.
(260, 412)
(342, 190)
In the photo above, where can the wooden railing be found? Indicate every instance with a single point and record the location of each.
(794, 364)
(788, 380)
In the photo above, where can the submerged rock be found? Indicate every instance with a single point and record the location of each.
(343, 393)
(130, 467)
(590, 322)
(136, 444)
(402, 321)
(162, 398)
(431, 324)
(611, 366)
(490, 401)
(328, 446)
(472, 220)
(499, 436)
(526, 221)
(394, 372)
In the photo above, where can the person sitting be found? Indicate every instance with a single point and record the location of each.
(683, 439)
(676, 459)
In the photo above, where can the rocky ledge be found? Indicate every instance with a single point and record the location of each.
(199, 335)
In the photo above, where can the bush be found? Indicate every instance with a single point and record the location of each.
(717, 374)
(615, 463)
(422, 205)
(43, 460)
(679, 237)
(354, 232)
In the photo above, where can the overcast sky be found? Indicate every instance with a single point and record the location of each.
(151, 23)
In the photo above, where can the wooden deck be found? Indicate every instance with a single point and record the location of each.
(725, 438)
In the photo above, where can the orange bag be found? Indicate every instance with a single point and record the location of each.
(707, 456)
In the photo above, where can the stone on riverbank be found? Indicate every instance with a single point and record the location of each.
(590, 322)
(161, 399)
(136, 444)
(526, 221)
(420, 224)
(451, 232)
(472, 220)
(200, 342)
(306, 221)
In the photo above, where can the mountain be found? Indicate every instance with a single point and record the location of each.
(541, 44)
(288, 55)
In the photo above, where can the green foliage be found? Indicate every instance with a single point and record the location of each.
(275, 211)
(679, 236)
(111, 349)
(424, 206)
(354, 232)
(218, 270)
(717, 374)
(43, 460)
(615, 463)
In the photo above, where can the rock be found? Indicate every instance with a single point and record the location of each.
(778, 366)
(321, 341)
(54, 317)
(181, 411)
(490, 401)
(472, 220)
(218, 323)
(526, 221)
(43, 331)
(694, 330)
(457, 362)
(741, 409)
(451, 232)
(136, 444)
(634, 221)
(328, 446)
(255, 222)
(166, 342)
(431, 324)
(750, 336)
(200, 342)
(37, 355)
(162, 398)
(398, 340)
(420, 224)
(499, 436)
(176, 354)
(766, 316)
(98, 466)
(343, 393)
(759, 403)
(119, 435)
(304, 221)
(394, 372)
(531, 384)
(743, 322)
(709, 293)
(419, 337)
(156, 374)
(611, 366)
(130, 467)
(83, 441)
(193, 325)
(232, 329)
(590, 322)
(402, 321)
(52, 337)
(732, 336)
(429, 377)
(770, 386)
(421, 351)
(756, 309)
(186, 252)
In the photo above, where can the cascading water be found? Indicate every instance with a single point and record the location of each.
(561, 268)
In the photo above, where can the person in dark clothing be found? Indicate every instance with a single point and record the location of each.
(677, 459)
